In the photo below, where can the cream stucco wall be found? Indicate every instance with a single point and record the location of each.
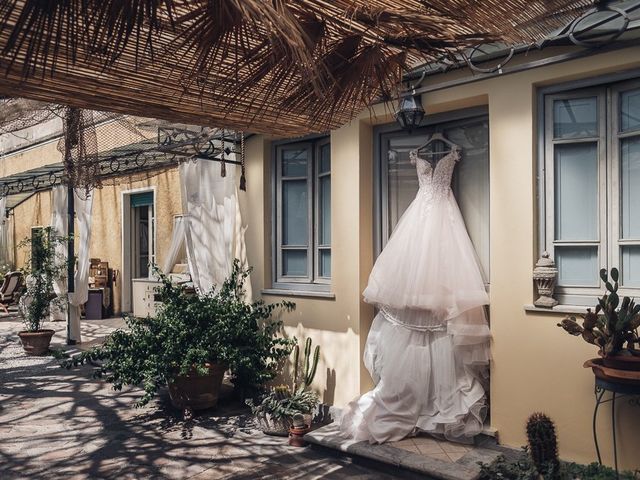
(536, 367)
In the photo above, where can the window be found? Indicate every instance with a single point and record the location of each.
(592, 167)
(470, 184)
(303, 214)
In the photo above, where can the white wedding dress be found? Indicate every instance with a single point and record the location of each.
(428, 347)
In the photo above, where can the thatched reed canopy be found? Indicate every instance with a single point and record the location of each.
(287, 67)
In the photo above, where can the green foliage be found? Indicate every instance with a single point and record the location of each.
(281, 403)
(190, 331)
(284, 401)
(43, 267)
(543, 444)
(612, 325)
(522, 468)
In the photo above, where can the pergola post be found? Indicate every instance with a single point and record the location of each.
(70, 257)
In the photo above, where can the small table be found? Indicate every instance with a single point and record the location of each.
(618, 390)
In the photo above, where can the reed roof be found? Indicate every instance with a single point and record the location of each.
(286, 67)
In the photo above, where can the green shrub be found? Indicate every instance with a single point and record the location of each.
(190, 331)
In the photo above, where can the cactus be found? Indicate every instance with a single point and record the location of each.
(282, 392)
(310, 365)
(612, 324)
(543, 445)
(298, 421)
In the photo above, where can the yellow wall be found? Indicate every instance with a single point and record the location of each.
(106, 230)
(536, 366)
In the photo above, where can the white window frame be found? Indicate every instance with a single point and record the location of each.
(312, 281)
(609, 224)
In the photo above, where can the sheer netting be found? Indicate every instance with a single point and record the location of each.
(428, 347)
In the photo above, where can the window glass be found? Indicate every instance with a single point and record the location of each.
(630, 187)
(630, 110)
(576, 191)
(630, 265)
(325, 210)
(294, 263)
(295, 212)
(577, 266)
(575, 118)
(294, 163)
(325, 158)
(325, 263)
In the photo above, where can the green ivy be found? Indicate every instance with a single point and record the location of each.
(190, 331)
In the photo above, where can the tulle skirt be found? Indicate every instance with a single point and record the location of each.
(429, 263)
(429, 381)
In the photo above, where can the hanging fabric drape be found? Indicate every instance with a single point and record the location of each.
(58, 310)
(178, 241)
(60, 222)
(83, 208)
(214, 231)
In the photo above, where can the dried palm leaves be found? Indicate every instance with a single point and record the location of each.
(278, 66)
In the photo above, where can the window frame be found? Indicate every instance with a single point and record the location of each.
(607, 90)
(312, 281)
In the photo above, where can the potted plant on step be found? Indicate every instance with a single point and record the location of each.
(191, 342)
(43, 267)
(612, 327)
(275, 412)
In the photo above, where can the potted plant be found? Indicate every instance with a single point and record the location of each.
(43, 267)
(612, 327)
(191, 342)
(275, 412)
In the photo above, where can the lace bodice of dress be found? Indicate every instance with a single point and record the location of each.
(435, 181)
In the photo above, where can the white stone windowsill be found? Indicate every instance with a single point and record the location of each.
(283, 292)
(558, 309)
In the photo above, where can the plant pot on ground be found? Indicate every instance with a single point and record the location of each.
(276, 410)
(191, 342)
(197, 391)
(612, 327)
(44, 266)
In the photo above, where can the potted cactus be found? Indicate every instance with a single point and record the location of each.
(276, 411)
(613, 326)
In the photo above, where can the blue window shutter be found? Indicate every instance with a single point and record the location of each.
(142, 199)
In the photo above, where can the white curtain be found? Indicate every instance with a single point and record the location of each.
(214, 231)
(59, 221)
(59, 225)
(178, 240)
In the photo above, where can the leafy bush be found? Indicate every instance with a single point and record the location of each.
(190, 331)
(522, 468)
(44, 266)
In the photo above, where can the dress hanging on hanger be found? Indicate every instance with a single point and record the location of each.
(428, 347)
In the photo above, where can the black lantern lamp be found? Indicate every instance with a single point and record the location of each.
(410, 112)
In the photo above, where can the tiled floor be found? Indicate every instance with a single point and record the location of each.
(430, 447)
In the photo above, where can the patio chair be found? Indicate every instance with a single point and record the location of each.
(10, 290)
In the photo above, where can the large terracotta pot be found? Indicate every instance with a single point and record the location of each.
(36, 343)
(622, 362)
(197, 392)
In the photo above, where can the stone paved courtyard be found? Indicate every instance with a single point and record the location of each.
(56, 423)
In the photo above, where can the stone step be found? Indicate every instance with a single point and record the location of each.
(460, 464)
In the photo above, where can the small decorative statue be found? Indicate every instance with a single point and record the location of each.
(544, 276)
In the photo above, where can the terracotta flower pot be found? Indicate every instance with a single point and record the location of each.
(36, 343)
(296, 436)
(278, 426)
(197, 392)
(622, 362)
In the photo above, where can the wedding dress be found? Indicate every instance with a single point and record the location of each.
(428, 347)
